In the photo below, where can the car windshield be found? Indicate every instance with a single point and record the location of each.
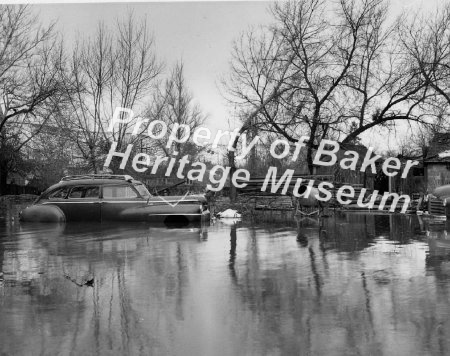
(59, 193)
(143, 191)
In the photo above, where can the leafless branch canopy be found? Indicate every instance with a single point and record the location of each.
(337, 70)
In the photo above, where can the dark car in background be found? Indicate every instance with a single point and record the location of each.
(111, 198)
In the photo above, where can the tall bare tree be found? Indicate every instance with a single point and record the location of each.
(174, 104)
(89, 79)
(113, 69)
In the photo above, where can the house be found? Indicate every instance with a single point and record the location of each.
(437, 161)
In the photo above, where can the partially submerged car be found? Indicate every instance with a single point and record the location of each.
(112, 198)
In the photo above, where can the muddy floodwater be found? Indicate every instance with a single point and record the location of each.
(352, 284)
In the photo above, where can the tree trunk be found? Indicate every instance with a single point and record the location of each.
(94, 165)
(312, 135)
(3, 176)
(309, 160)
(232, 165)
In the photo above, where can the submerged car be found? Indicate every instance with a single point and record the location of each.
(112, 198)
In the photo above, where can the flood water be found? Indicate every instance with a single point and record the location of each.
(352, 284)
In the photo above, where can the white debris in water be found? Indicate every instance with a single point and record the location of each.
(229, 213)
(444, 154)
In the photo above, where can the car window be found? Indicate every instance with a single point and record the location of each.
(118, 192)
(59, 193)
(142, 190)
(84, 192)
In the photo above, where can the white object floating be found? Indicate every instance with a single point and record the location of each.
(444, 154)
(229, 213)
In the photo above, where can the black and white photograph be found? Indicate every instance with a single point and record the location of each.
(225, 177)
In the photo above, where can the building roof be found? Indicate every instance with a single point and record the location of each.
(439, 149)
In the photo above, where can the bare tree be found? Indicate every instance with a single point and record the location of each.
(174, 105)
(426, 40)
(326, 71)
(88, 80)
(109, 71)
(385, 87)
(135, 70)
(30, 86)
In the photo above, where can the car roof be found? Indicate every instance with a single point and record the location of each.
(85, 180)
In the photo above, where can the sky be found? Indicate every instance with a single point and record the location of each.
(198, 33)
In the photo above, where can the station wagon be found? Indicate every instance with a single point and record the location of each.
(111, 198)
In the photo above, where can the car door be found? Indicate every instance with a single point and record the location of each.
(117, 198)
(83, 203)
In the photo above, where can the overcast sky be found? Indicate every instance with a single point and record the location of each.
(199, 33)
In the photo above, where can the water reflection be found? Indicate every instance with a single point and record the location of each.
(351, 284)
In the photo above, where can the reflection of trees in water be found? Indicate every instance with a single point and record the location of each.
(319, 300)
(355, 232)
(232, 259)
(348, 233)
(403, 228)
(315, 273)
(281, 294)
